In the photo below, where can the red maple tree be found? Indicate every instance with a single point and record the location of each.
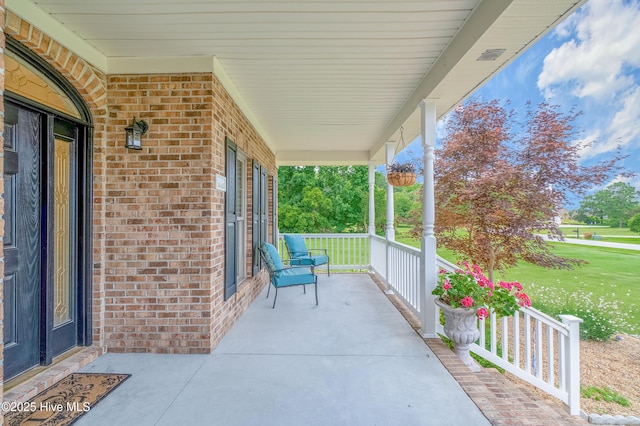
(496, 190)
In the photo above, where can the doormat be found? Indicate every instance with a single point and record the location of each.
(63, 403)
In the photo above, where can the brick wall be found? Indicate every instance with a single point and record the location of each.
(158, 220)
(164, 217)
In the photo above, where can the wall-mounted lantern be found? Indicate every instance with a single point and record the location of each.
(134, 134)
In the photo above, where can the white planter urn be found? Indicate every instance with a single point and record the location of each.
(462, 328)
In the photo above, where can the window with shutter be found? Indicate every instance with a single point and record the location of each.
(241, 217)
(230, 264)
(260, 209)
(255, 215)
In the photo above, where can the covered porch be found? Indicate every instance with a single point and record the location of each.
(352, 360)
(317, 83)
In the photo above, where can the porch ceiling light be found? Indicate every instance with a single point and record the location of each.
(134, 133)
(491, 54)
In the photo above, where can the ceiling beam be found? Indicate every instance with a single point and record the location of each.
(321, 158)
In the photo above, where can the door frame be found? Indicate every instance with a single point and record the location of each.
(84, 199)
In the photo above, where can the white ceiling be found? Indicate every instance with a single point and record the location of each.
(322, 80)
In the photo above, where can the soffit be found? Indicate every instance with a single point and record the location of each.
(322, 81)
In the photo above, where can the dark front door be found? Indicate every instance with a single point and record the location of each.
(42, 301)
(22, 207)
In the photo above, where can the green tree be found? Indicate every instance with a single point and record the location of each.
(347, 187)
(634, 223)
(311, 215)
(407, 202)
(323, 199)
(615, 203)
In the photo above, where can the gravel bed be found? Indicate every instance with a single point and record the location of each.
(614, 364)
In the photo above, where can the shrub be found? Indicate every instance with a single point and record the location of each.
(588, 236)
(601, 319)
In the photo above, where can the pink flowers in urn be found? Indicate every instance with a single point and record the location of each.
(482, 313)
(467, 302)
(467, 287)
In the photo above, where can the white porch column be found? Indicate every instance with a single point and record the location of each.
(372, 202)
(389, 230)
(429, 272)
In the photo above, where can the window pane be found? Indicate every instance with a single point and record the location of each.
(241, 227)
(23, 79)
(240, 173)
(62, 232)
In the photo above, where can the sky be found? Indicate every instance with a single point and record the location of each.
(591, 63)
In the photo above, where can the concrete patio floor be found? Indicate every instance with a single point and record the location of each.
(352, 360)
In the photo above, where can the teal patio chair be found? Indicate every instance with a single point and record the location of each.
(285, 277)
(300, 256)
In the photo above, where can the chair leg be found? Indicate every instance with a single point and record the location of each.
(304, 288)
(328, 268)
(316, 286)
(274, 299)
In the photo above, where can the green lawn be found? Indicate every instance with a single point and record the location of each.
(610, 280)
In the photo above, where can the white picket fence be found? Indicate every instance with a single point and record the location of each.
(529, 344)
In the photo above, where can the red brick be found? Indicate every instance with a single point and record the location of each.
(158, 228)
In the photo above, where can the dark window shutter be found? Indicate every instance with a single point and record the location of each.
(255, 216)
(264, 225)
(230, 267)
(274, 210)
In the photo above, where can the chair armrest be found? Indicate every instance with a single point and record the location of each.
(291, 267)
(303, 253)
(320, 249)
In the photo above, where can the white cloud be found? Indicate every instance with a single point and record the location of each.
(525, 68)
(441, 129)
(625, 126)
(597, 66)
(590, 147)
(594, 62)
(622, 131)
(633, 181)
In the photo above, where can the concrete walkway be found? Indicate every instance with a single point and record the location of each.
(352, 360)
(596, 243)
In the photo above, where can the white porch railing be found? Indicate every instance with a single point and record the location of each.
(399, 265)
(537, 349)
(529, 344)
(347, 252)
(534, 347)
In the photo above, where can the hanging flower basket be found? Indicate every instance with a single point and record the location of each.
(401, 178)
(401, 174)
